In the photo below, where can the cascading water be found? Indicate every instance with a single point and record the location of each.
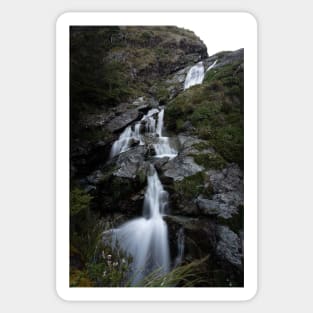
(195, 75)
(180, 246)
(122, 144)
(162, 147)
(211, 66)
(146, 238)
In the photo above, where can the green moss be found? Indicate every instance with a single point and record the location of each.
(161, 93)
(202, 145)
(209, 76)
(228, 141)
(209, 160)
(179, 124)
(191, 186)
(204, 132)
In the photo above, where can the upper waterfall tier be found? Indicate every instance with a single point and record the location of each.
(195, 75)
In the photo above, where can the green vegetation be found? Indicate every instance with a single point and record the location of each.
(93, 262)
(210, 160)
(215, 109)
(79, 201)
(192, 186)
(96, 262)
(200, 146)
(188, 275)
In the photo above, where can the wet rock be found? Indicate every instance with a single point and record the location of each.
(133, 142)
(95, 177)
(130, 162)
(199, 236)
(222, 205)
(228, 246)
(187, 144)
(89, 188)
(224, 58)
(208, 207)
(124, 120)
(144, 104)
(180, 167)
(229, 179)
(227, 186)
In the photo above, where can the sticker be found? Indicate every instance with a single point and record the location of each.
(156, 156)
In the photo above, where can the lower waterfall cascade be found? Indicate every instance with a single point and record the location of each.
(146, 238)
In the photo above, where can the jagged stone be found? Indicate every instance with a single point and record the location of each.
(123, 120)
(228, 193)
(130, 162)
(229, 246)
(180, 167)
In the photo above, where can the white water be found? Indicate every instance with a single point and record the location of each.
(146, 238)
(163, 147)
(195, 75)
(155, 127)
(180, 246)
(211, 66)
(122, 143)
(150, 121)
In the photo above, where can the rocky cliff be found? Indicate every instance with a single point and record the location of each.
(119, 75)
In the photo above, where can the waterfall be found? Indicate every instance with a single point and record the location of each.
(211, 66)
(127, 137)
(162, 144)
(180, 246)
(146, 238)
(195, 75)
(160, 123)
(122, 144)
(163, 147)
(136, 133)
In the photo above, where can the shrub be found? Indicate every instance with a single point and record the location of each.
(191, 186)
(79, 201)
(210, 160)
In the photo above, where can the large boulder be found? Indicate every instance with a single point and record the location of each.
(227, 185)
(131, 162)
(199, 239)
(180, 167)
(229, 246)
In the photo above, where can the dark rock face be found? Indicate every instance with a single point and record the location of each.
(131, 162)
(199, 236)
(180, 167)
(123, 120)
(228, 193)
(229, 246)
